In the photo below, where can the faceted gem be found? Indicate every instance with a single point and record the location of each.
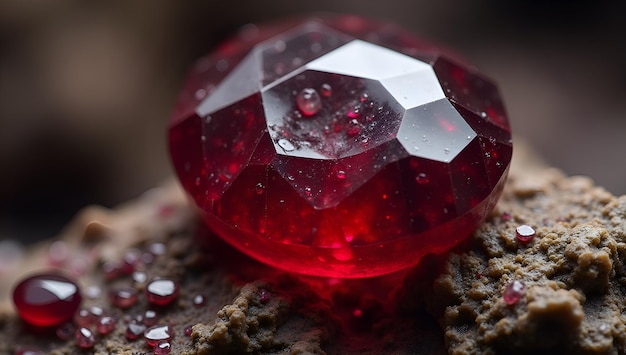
(514, 292)
(161, 292)
(46, 299)
(340, 147)
(155, 334)
(525, 233)
(84, 338)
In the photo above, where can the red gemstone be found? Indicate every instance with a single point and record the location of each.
(85, 338)
(188, 330)
(150, 318)
(514, 292)
(341, 147)
(106, 325)
(525, 233)
(161, 292)
(199, 300)
(46, 299)
(123, 298)
(88, 317)
(134, 330)
(155, 334)
(163, 348)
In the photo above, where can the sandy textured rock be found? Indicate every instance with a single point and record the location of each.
(573, 271)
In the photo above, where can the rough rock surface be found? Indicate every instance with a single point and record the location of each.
(574, 272)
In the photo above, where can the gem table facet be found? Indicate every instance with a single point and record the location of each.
(339, 147)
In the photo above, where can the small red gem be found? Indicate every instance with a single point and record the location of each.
(264, 296)
(111, 270)
(84, 338)
(162, 348)
(514, 292)
(150, 318)
(46, 299)
(525, 233)
(188, 330)
(132, 258)
(123, 297)
(88, 317)
(199, 300)
(158, 333)
(357, 145)
(106, 325)
(134, 330)
(161, 292)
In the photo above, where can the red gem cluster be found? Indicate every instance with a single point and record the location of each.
(339, 147)
(53, 300)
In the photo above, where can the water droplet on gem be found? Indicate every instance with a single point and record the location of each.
(422, 179)
(309, 102)
(200, 94)
(221, 65)
(446, 150)
(341, 175)
(286, 145)
(280, 46)
(259, 189)
(316, 47)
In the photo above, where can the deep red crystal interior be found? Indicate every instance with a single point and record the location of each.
(339, 147)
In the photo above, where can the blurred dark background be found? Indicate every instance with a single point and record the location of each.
(86, 87)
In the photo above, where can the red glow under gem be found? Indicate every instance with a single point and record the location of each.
(321, 153)
(46, 299)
